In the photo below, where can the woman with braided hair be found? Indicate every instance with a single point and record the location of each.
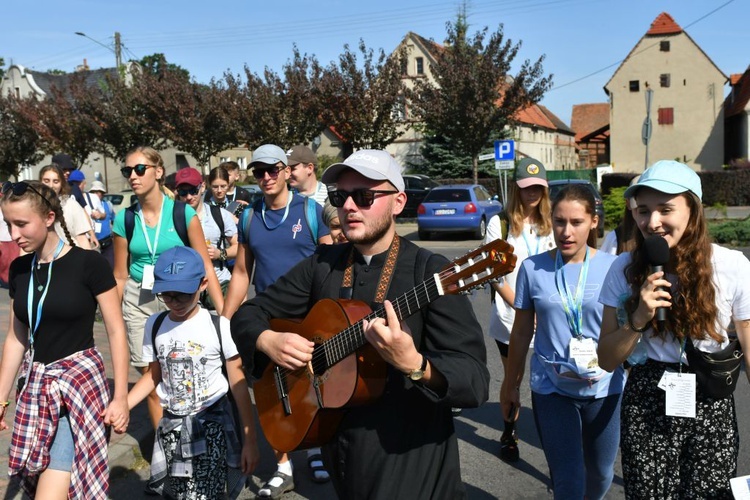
(76, 219)
(59, 444)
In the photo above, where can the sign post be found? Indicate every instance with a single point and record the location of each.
(505, 155)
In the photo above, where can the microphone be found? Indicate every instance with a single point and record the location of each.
(656, 249)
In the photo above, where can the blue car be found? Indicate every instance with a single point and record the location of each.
(456, 208)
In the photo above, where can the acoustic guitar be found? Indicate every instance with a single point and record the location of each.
(300, 409)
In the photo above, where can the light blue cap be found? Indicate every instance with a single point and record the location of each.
(668, 176)
(269, 154)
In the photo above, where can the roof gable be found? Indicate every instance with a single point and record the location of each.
(537, 115)
(588, 118)
(663, 26)
(738, 98)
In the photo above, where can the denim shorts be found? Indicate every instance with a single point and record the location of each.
(62, 451)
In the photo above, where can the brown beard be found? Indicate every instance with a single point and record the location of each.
(375, 232)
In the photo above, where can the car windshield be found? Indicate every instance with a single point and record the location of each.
(447, 195)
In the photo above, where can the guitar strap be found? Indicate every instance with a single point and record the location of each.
(385, 275)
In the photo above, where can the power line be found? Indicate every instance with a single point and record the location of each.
(639, 52)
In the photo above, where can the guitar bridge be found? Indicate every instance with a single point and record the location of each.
(281, 389)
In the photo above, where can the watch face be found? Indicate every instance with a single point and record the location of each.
(416, 375)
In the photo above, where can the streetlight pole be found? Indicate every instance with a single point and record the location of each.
(117, 50)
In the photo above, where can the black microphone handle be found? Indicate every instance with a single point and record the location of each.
(661, 312)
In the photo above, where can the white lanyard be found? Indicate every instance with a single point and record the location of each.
(34, 322)
(286, 212)
(152, 250)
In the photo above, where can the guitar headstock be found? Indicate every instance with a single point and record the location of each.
(486, 263)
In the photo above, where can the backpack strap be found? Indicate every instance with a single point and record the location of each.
(219, 220)
(503, 225)
(129, 223)
(178, 219)
(155, 329)
(247, 218)
(311, 215)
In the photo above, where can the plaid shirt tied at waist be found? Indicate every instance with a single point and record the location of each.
(77, 384)
(192, 443)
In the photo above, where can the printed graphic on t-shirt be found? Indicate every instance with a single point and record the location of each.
(184, 364)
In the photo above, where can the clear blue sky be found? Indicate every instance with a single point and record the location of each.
(578, 37)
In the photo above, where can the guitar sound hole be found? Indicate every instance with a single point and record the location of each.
(319, 362)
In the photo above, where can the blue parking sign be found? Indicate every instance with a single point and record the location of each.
(505, 150)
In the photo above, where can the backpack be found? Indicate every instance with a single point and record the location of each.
(311, 217)
(178, 219)
(503, 225)
(216, 320)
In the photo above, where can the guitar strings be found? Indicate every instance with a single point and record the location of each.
(339, 343)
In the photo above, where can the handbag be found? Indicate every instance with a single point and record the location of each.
(716, 373)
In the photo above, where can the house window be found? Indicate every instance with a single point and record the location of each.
(420, 65)
(242, 162)
(666, 116)
(664, 79)
(634, 85)
(664, 45)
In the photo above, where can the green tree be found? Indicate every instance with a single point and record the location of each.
(475, 95)
(64, 123)
(360, 100)
(156, 64)
(2, 67)
(282, 109)
(19, 141)
(203, 118)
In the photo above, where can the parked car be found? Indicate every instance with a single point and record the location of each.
(556, 186)
(121, 200)
(456, 208)
(417, 187)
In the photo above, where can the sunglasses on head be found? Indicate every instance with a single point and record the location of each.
(182, 192)
(273, 172)
(361, 197)
(20, 188)
(140, 170)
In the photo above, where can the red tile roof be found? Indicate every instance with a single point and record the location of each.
(588, 118)
(664, 25)
(737, 100)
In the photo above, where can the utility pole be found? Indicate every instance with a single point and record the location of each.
(118, 50)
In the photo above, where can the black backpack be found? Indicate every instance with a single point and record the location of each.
(178, 219)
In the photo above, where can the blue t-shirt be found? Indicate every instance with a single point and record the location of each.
(536, 289)
(168, 237)
(277, 246)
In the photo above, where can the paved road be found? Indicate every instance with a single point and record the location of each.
(485, 475)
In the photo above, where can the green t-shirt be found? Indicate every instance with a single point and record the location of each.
(168, 237)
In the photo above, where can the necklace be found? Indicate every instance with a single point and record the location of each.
(40, 286)
(39, 262)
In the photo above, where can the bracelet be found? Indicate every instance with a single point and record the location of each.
(637, 330)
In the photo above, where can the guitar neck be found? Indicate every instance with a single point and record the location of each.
(352, 338)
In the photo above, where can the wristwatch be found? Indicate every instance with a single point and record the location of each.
(417, 374)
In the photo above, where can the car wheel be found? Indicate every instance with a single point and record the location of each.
(423, 235)
(481, 231)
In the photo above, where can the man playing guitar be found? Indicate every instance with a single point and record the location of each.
(402, 444)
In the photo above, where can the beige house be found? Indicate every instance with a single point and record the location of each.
(687, 115)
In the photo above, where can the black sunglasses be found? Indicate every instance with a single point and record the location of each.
(20, 188)
(191, 191)
(273, 172)
(361, 197)
(175, 296)
(140, 170)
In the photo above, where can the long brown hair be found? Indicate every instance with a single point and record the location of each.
(37, 201)
(54, 167)
(693, 313)
(514, 211)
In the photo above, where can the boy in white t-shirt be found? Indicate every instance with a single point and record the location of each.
(185, 354)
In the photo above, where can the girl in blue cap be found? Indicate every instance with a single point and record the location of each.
(679, 440)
